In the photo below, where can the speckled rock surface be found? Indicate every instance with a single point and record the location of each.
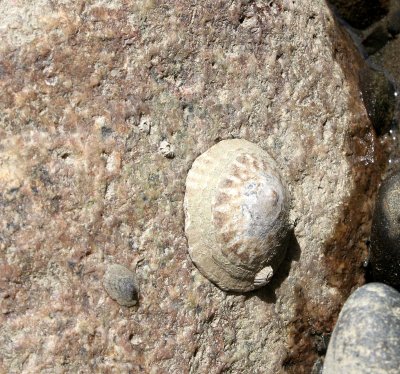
(91, 92)
(366, 338)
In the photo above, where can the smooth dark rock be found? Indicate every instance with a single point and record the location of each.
(361, 13)
(385, 233)
(378, 94)
(376, 40)
(366, 338)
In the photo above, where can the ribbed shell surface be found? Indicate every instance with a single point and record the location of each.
(236, 209)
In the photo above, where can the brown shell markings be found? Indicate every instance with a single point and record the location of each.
(236, 215)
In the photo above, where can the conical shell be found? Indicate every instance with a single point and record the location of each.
(236, 215)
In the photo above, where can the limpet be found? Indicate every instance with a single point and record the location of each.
(120, 284)
(236, 215)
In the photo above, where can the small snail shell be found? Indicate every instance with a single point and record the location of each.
(236, 215)
(120, 284)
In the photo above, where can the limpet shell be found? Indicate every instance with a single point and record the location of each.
(121, 285)
(236, 215)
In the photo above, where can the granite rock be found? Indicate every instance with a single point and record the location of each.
(88, 93)
(366, 338)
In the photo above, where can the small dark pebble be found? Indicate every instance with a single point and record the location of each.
(121, 285)
(366, 338)
(385, 233)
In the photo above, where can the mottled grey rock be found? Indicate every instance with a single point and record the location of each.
(385, 233)
(120, 283)
(366, 338)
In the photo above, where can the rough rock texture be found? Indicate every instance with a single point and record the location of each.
(366, 338)
(89, 90)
